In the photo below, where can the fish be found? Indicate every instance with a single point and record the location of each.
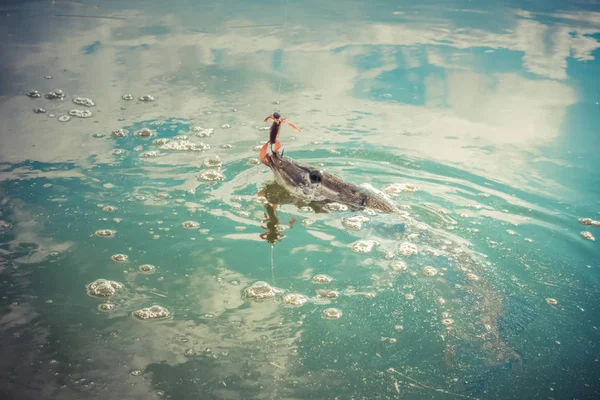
(310, 184)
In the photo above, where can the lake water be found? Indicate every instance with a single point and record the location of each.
(479, 120)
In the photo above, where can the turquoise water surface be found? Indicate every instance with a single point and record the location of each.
(479, 120)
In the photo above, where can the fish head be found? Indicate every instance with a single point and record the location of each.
(301, 180)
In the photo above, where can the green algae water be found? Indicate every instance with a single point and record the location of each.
(146, 253)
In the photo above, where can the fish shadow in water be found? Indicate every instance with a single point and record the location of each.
(517, 316)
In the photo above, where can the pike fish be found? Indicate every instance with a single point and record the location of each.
(311, 184)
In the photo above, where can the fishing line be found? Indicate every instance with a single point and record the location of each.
(272, 265)
(283, 41)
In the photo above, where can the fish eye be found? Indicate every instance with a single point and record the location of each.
(315, 176)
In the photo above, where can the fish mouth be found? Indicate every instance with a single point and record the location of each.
(300, 180)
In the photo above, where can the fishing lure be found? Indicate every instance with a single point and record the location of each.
(273, 135)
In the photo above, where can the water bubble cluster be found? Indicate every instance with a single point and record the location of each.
(120, 258)
(56, 95)
(321, 279)
(398, 265)
(335, 207)
(190, 224)
(589, 221)
(145, 133)
(211, 175)
(150, 154)
(429, 271)
(261, 291)
(184, 145)
(331, 313)
(84, 101)
(105, 233)
(147, 268)
(103, 288)
(106, 307)
(588, 236)
(294, 300)
(363, 246)
(355, 223)
(80, 113)
(120, 133)
(213, 162)
(407, 249)
(396, 189)
(34, 94)
(154, 312)
(327, 294)
(202, 132)
(146, 97)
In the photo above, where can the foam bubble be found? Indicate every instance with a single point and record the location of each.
(106, 233)
(227, 146)
(430, 271)
(39, 110)
(511, 232)
(106, 307)
(261, 291)
(150, 154)
(321, 279)
(305, 209)
(103, 288)
(363, 246)
(211, 175)
(294, 300)
(225, 126)
(409, 296)
(34, 94)
(447, 321)
(4, 225)
(335, 207)
(588, 236)
(472, 277)
(64, 118)
(75, 112)
(84, 101)
(147, 268)
(154, 312)
(204, 132)
(184, 145)
(589, 221)
(120, 133)
(161, 142)
(307, 222)
(145, 133)
(327, 294)
(396, 189)
(120, 258)
(354, 223)
(127, 97)
(56, 95)
(551, 301)
(146, 97)
(398, 265)
(407, 249)
(213, 162)
(331, 313)
(190, 224)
